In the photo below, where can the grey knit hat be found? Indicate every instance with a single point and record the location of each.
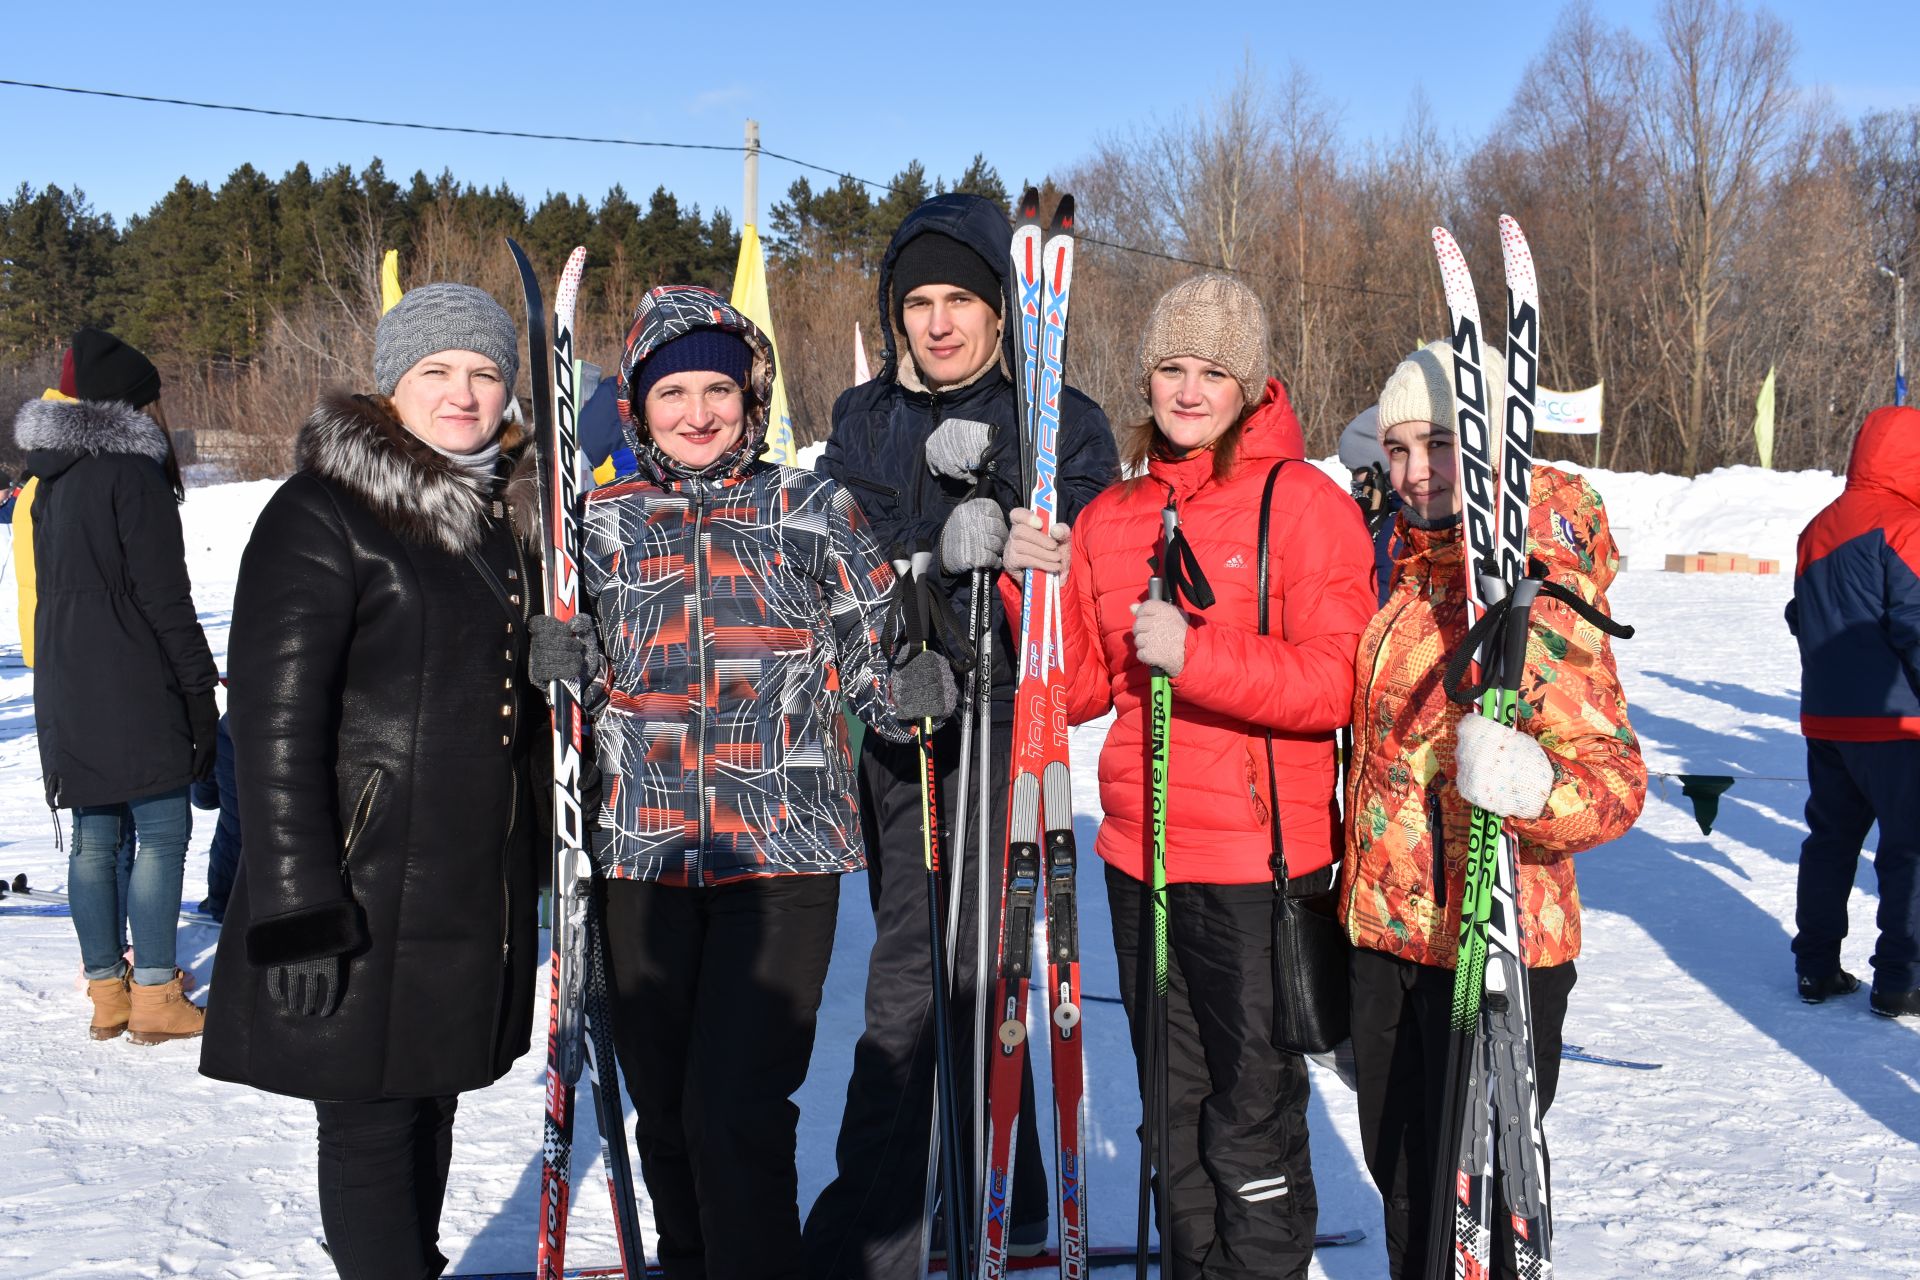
(1216, 318)
(443, 317)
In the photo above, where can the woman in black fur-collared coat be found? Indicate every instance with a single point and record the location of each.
(379, 949)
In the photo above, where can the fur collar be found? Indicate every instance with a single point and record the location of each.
(89, 426)
(356, 442)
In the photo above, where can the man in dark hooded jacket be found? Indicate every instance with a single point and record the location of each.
(901, 443)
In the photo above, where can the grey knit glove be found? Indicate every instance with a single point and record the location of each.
(923, 688)
(973, 536)
(308, 988)
(957, 448)
(1160, 635)
(559, 650)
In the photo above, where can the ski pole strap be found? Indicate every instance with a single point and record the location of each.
(1277, 860)
(1179, 566)
(1508, 617)
(917, 613)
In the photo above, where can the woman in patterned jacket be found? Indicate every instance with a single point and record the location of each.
(1568, 777)
(737, 601)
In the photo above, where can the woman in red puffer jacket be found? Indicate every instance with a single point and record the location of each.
(1243, 1201)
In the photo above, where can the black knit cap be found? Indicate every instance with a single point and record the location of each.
(934, 258)
(105, 368)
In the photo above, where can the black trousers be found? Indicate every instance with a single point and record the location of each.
(1240, 1175)
(716, 992)
(866, 1223)
(1851, 785)
(383, 1176)
(1401, 1012)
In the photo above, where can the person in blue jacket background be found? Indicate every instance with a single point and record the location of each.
(1856, 613)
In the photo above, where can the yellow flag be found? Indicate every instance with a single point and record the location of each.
(389, 280)
(750, 299)
(1763, 421)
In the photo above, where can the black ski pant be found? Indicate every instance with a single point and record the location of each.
(866, 1223)
(716, 992)
(1401, 1017)
(1850, 784)
(383, 1177)
(1240, 1175)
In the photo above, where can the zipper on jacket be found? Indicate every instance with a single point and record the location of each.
(1356, 762)
(699, 646)
(875, 485)
(362, 815)
(1437, 830)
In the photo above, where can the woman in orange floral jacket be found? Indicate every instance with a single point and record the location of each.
(1567, 777)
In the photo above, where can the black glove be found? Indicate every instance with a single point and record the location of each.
(308, 988)
(559, 650)
(203, 721)
(923, 688)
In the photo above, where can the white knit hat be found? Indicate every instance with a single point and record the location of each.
(1420, 388)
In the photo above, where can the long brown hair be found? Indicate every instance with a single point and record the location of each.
(1140, 442)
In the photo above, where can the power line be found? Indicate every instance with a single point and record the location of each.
(735, 148)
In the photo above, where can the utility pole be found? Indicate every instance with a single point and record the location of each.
(753, 173)
(1899, 332)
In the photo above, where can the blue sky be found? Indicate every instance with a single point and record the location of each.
(865, 89)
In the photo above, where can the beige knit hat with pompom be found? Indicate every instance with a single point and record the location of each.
(1216, 318)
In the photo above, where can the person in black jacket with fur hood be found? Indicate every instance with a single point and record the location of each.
(123, 683)
(380, 943)
(931, 447)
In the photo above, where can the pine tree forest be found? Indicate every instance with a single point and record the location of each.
(1697, 219)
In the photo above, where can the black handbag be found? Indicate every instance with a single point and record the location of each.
(1311, 1006)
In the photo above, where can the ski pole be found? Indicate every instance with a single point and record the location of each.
(1156, 1138)
(912, 573)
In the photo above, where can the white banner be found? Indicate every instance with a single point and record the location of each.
(1572, 413)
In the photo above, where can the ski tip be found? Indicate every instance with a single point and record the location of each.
(1030, 203)
(1517, 256)
(564, 297)
(1063, 214)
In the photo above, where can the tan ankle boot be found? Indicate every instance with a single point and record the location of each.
(111, 1005)
(161, 1013)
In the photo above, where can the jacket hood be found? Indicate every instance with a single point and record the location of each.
(1886, 453)
(1272, 432)
(411, 488)
(1567, 532)
(982, 226)
(672, 311)
(78, 427)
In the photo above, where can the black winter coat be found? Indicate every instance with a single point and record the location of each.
(119, 650)
(382, 726)
(880, 427)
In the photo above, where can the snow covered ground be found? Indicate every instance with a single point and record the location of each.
(1777, 1140)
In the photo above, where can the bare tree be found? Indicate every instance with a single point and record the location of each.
(1713, 102)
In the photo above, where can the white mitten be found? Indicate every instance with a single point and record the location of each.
(1501, 770)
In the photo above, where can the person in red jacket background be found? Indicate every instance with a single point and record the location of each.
(1856, 613)
(1243, 1201)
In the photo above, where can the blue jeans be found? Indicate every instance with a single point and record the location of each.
(153, 891)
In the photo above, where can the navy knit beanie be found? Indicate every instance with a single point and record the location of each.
(703, 350)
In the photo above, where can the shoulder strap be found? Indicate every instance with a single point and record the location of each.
(1277, 860)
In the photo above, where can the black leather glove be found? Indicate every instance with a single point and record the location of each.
(308, 988)
(203, 721)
